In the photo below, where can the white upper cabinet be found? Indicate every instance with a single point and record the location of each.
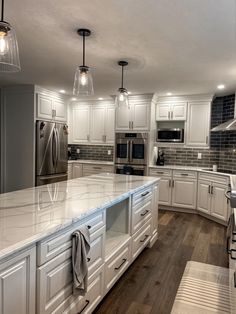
(123, 117)
(171, 112)
(135, 118)
(51, 108)
(79, 127)
(198, 124)
(97, 124)
(92, 123)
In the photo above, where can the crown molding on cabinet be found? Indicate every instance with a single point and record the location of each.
(183, 98)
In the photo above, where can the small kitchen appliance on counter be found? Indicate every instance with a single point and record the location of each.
(160, 158)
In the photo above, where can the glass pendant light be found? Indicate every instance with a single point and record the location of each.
(83, 83)
(122, 99)
(9, 54)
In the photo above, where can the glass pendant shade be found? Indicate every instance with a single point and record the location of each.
(9, 53)
(122, 98)
(83, 83)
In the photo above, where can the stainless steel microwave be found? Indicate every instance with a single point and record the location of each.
(174, 135)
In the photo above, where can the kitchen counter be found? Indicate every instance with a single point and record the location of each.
(97, 162)
(29, 215)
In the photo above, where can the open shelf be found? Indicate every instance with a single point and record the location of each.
(114, 240)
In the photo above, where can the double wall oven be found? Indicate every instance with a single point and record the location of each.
(131, 153)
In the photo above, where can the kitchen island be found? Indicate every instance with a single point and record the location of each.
(36, 225)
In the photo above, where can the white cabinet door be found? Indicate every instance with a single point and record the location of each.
(44, 107)
(165, 191)
(204, 196)
(123, 118)
(60, 110)
(97, 124)
(110, 125)
(17, 284)
(77, 170)
(198, 124)
(70, 171)
(80, 124)
(219, 205)
(162, 112)
(184, 193)
(140, 117)
(178, 111)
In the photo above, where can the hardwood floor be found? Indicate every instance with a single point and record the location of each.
(150, 284)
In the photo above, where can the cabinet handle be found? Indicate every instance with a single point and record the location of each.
(88, 259)
(184, 174)
(171, 114)
(88, 137)
(209, 189)
(89, 227)
(145, 193)
(122, 263)
(97, 168)
(212, 190)
(144, 213)
(169, 183)
(132, 125)
(206, 139)
(87, 303)
(235, 279)
(160, 172)
(129, 125)
(146, 236)
(173, 183)
(105, 138)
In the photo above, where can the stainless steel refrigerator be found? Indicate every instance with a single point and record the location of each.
(51, 152)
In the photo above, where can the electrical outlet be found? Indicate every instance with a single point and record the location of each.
(199, 155)
(109, 152)
(77, 150)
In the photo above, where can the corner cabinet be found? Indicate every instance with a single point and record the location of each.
(198, 124)
(51, 108)
(17, 282)
(92, 124)
(135, 118)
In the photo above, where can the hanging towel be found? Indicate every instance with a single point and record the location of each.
(80, 249)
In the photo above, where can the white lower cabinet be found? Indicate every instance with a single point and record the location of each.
(184, 193)
(212, 200)
(117, 264)
(77, 170)
(165, 191)
(70, 172)
(141, 238)
(17, 282)
(90, 169)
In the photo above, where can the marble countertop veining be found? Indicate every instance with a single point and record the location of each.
(86, 161)
(29, 215)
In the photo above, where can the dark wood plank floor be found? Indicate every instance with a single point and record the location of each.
(150, 284)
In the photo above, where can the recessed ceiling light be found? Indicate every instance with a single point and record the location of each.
(168, 94)
(129, 93)
(100, 98)
(73, 98)
(221, 86)
(62, 91)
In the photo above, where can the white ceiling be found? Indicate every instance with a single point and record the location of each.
(182, 46)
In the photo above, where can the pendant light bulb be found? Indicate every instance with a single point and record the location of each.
(9, 54)
(83, 82)
(122, 99)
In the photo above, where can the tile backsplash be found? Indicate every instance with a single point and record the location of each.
(222, 150)
(91, 152)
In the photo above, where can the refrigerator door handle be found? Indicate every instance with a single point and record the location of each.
(57, 146)
(54, 147)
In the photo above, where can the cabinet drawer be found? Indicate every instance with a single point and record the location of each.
(140, 239)
(116, 265)
(55, 277)
(141, 214)
(97, 168)
(215, 178)
(52, 246)
(185, 174)
(141, 196)
(160, 172)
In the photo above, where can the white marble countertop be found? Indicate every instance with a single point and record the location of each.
(27, 216)
(86, 161)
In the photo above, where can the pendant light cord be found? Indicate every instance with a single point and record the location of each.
(2, 15)
(122, 77)
(83, 48)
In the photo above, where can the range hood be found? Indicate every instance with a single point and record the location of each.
(229, 125)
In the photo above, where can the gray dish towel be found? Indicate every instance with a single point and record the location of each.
(80, 249)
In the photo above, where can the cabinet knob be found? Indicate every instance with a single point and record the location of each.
(89, 227)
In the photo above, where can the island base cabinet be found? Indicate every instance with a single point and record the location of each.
(141, 238)
(116, 265)
(17, 284)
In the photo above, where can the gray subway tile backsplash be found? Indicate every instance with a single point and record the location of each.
(91, 152)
